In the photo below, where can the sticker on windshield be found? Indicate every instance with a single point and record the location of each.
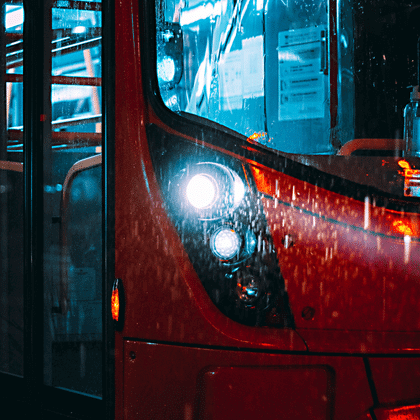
(301, 80)
(230, 69)
(242, 74)
(253, 67)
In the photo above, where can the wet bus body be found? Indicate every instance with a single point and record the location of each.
(210, 210)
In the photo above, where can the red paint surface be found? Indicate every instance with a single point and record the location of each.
(251, 392)
(365, 416)
(349, 262)
(186, 383)
(364, 299)
(397, 379)
(400, 413)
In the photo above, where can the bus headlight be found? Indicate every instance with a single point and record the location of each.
(215, 208)
(225, 243)
(202, 191)
(212, 190)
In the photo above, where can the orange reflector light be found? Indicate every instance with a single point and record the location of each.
(257, 136)
(404, 164)
(403, 227)
(115, 304)
(118, 304)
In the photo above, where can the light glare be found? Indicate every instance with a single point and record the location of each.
(166, 69)
(201, 191)
(225, 243)
(14, 16)
(239, 191)
(115, 304)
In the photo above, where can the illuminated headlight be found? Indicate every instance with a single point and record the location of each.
(166, 69)
(211, 189)
(202, 191)
(225, 243)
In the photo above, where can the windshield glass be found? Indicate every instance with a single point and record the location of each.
(302, 77)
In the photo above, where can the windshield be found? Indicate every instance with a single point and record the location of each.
(301, 77)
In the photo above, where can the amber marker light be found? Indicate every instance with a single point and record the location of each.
(257, 137)
(403, 227)
(260, 138)
(404, 164)
(117, 304)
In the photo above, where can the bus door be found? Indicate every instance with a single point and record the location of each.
(52, 226)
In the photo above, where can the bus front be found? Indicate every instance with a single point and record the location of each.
(267, 209)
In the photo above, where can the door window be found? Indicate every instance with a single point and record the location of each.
(73, 202)
(11, 190)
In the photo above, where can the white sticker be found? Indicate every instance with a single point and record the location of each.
(301, 81)
(230, 70)
(253, 67)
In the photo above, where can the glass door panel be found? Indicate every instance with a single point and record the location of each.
(73, 203)
(11, 190)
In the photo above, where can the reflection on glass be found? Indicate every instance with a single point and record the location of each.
(14, 18)
(73, 204)
(76, 108)
(253, 66)
(312, 79)
(11, 193)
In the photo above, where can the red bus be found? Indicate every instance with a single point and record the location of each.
(210, 209)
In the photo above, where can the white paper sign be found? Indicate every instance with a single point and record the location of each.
(253, 67)
(230, 70)
(242, 73)
(301, 81)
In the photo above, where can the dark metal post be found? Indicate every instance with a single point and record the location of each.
(108, 209)
(36, 116)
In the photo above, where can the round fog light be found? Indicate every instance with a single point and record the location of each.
(225, 243)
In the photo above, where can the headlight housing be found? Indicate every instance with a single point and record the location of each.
(216, 211)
